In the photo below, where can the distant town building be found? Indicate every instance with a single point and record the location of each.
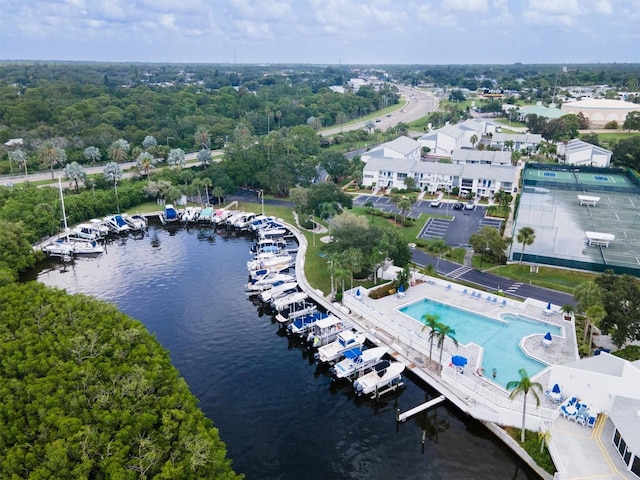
(601, 111)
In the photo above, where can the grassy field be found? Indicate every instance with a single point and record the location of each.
(607, 138)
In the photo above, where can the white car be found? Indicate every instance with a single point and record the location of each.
(469, 205)
(435, 203)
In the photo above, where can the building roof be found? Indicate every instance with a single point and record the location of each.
(14, 142)
(625, 414)
(576, 145)
(491, 156)
(502, 173)
(601, 103)
(450, 130)
(517, 137)
(542, 111)
(604, 364)
(404, 145)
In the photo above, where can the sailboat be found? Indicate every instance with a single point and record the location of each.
(65, 247)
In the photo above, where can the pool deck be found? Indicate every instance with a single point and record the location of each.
(579, 452)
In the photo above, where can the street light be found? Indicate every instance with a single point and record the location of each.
(261, 195)
(313, 230)
(486, 250)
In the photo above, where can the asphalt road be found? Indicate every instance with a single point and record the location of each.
(491, 282)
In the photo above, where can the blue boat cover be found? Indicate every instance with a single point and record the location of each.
(352, 353)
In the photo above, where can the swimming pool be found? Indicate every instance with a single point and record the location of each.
(500, 339)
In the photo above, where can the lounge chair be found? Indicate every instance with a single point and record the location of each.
(448, 287)
(504, 303)
(488, 299)
(580, 420)
(591, 422)
(464, 292)
(473, 294)
(495, 300)
(479, 296)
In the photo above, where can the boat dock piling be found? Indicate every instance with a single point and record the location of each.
(403, 417)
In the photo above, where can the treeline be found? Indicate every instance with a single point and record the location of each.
(87, 392)
(80, 105)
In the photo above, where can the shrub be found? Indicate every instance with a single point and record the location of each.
(382, 291)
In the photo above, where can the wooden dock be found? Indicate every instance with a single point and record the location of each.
(403, 417)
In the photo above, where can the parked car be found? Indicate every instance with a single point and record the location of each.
(469, 205)
(458, 206)
(435, 203)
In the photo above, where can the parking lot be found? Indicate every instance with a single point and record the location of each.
(455, 232)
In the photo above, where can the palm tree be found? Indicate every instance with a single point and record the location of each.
(524, 386)
(508, 144)
(526, 236)
(587, 294)
(50, 156)
(146, 162)
(444, 331)
(202, 138)
(369, 125)
(473, 140)
(119, 151)
(75, 173)
(594, 314)
(439, 248)
(432, 322)
(218, 192)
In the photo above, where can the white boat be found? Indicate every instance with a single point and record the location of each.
(346, 340)
(66, 247)
(169, 215)
(116, 224)
(58, 248)
(301, 325)
(234, 217)
(221, 216)
(84, 247)
(94, 230)
(325, 331)
(357, 361)
(206, 215)
(278, 291)
(297, 310)
(274, 269)
(191, 214)
(82, 232)
(244, 221)
(258, 221)
(136, 222)
(384, 376)
(268, 281)
(264, 261)
(288, 300)
(272, 230)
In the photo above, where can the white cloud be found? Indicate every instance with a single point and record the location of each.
(466, 5)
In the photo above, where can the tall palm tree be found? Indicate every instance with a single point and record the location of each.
(202, 138)
(119, 151)
(594, 315)
(146, 162)
(218, 192)
(50, 156)
(207, 183)
(524, 386)
(439, 248)
(432, 322)
(526, 236)
(443, 331)
(473, 140)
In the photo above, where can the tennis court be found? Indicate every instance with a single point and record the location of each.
(579, 178)
(561, 222)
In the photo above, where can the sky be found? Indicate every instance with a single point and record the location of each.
(322, 31)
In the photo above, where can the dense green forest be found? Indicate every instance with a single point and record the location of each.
(87, 392)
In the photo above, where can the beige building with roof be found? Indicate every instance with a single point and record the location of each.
(601, 111)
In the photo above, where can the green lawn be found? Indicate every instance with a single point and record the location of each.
(512, 123)
(553, 278)
(607, 138)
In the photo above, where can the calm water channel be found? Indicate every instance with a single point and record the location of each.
(278, 413)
